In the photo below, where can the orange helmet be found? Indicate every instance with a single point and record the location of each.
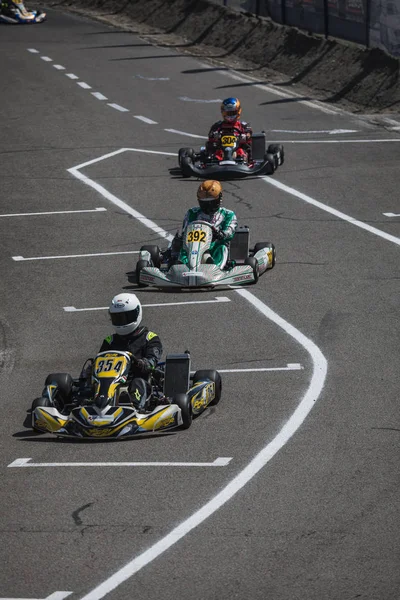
(209, 196)
(231, 109)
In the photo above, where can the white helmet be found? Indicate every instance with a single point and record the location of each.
(126, 313)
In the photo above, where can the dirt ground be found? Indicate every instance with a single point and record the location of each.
(365, 81)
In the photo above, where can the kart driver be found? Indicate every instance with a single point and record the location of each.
(145, 346)
(222, 220)
(231, 111)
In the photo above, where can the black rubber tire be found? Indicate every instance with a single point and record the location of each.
(64, 383)
(272, 162)
(261, 245)
(155, 254)
(183, 401)
(185, 152)
(42, 401)
(250, 260)
(139, 266)
(213, 376)
(186, 164)
(277, 149)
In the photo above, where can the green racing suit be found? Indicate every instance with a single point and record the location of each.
(224, 220)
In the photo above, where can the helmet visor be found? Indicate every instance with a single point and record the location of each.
(124, 318)
(210, 206)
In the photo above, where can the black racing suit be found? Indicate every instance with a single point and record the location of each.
(145, 346)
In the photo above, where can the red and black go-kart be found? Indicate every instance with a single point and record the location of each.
(264, 160)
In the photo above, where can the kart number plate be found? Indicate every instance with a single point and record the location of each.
(196, 236)
(110, 366)
(228, 140)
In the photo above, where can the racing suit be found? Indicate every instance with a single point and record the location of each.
(223, 220)
(223, 127)
(146, 347)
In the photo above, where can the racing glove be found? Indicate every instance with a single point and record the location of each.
(219, 234)
(143, 365)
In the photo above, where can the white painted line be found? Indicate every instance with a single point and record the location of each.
(396, 128)
(330, 131)
(131, 211)
(84, 85)
(33, 50)
(391, 214)
(99, 96)
(202, 137)
(294, 422)
(58, 212)
(186, 99)
(59, 67)
(71, 76)
(332, 211)
(218, 299)
(145, 120)
(46, 58)
(262, 370)
(53, 596)
(151, 78)
(22, 258)
(376, 141)
(25, 462)
(118, 107)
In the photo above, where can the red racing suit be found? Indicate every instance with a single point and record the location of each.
(223, 127)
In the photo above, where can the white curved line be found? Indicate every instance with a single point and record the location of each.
(259, 461)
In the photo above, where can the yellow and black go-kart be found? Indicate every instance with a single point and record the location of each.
(104, 406)
(264, 159)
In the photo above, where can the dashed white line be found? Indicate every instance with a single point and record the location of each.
(332, 211)
(375, 141)
(221, 461)
(53, 596)
(145, 120)
(71, 76)
(58, 212)
(22, 258)
(289, 367)
(118, 107)
(218, 299)
(59, 67)
(202, 137)
(391, 214)
(186, 99)
(99, 96)
(329, 131)
(33, 50)
(46, 58)
(84, 85)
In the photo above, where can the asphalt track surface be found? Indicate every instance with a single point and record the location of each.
(320, 519)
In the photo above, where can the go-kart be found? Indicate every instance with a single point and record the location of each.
(194, 267)
(16, 13)
(103, 406)
(264, 160)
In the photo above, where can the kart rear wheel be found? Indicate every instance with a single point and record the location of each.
(213, 376)
(250, 260)
(155, 254)
(141, 264)
(272, 160)
(185, 152)
(64, 383)
(186, 163)
(269, 245)
(277, 149)
(183, 401)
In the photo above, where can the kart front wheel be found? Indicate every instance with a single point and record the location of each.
(185, 152)
(254, 265)
(42, 401)
(269, 246)
(214, 376)
(64, 382)
(272, 163)
(186, 164)
(183, 401)
(277, 149)
(155, 254)
(141, 264)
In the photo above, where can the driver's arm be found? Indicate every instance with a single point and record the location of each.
(229, 225)
(151, 353)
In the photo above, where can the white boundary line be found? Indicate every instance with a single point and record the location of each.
(118, 107)
(58, 212)
(145, 119)
(25, 462)
(21, 258)
(53, 596)
(99, 96)
(289, 367)
(84, 85)
(391, 215)
(259, 461)
(332, 211)
(218, 299)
